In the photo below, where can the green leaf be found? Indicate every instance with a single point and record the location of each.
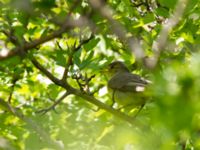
(191, 5)
(188, 37)
(168, 3)
(160, 11)
(87, 61)
(19, 31)
(53, 91)
(44, 4)
(11, 62)
(76, 57)
(60, 58)
(91, 44)
(148, 18)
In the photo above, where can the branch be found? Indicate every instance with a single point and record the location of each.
(66, 25)
(69, 63)
(135, 4)
(46, 72)
(117, 28)
(85, 41)
(11, 37)
(69, 24)
(161, 41)
(44, 111)
(34, 44)
(14, 81)
(31, 123)
(85, 96)
(101, 105)
(83, 81)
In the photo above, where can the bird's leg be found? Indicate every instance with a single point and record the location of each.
(113, 101)
(139, 110)
(113, 98)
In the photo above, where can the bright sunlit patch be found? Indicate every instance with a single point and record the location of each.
(59, 70)
(194, 16)
(179, 40)
(103, 91)
(50, 44)
(43, 79)
(155, 45)
(128, 147)
(24, 89)
(102, 47)
(4, 52)
(173, 88)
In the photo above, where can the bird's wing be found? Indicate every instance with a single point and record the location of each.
(127, 82)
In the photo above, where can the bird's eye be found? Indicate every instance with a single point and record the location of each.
(112, 66)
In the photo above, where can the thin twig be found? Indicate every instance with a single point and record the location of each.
(75, 49)
(118, 29)
(11, 37)
(85, 96)
(47, 73)
(113, 98)
(69, 24)
(31, 123)
(161, 41)
(52, 107)
(134, 4)
(77, 77)
(65, 26)
(12, 89)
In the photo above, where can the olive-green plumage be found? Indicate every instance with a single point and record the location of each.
(126, 88)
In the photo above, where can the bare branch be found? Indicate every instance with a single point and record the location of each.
(161, 41)
(79, 93)
(101, 105)
(45, 71)
(117, 28)
(83, 81)
(31, 123)
(69, 63)
(44, 111)
(12, 88)
(34, 44)
(85, 41)
(69, 24)
(10, 36)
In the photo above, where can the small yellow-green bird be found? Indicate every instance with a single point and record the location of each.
(127, 89)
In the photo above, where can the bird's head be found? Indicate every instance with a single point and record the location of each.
(117, 67)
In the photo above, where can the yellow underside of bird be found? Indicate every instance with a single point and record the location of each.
(127, 98)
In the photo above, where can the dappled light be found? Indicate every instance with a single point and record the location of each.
(99, 75)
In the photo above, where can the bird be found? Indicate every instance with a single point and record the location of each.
(127, 89)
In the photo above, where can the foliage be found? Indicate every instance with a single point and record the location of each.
(52, 80)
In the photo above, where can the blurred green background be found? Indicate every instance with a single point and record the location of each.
(82, 37)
